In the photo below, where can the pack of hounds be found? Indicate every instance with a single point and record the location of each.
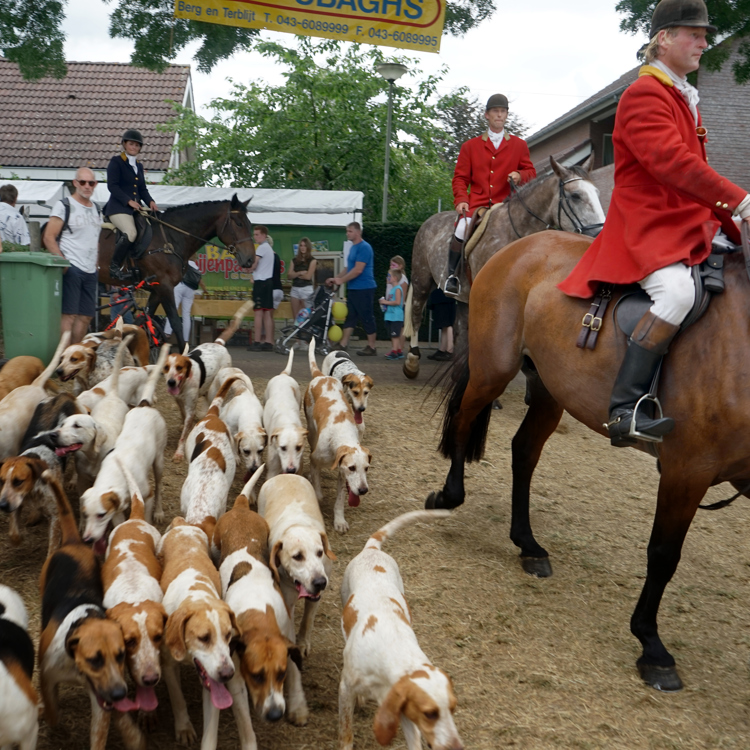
(123, 605)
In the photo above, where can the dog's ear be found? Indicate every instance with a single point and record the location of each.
(388, 717)
(37, 467)
(340, 455)
(99, 437)
(369, 382)
(274, 436)
(264, 435)
(235, 626)
(349, 380)
(174, 633)
(274, 561)
(369, 456)
(208, 524)
(328, 551)
(237, 646)
(293, 652)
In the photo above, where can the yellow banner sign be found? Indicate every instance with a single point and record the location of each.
(409, 24)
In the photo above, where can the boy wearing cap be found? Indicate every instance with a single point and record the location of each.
(486, 165)
(668, 208)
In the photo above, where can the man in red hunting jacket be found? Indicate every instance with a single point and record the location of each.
(668, 209)
(486, 165)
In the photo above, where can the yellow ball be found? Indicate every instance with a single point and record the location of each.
(335, 333)
(339, 311)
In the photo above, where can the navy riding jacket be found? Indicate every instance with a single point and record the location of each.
(125, 185)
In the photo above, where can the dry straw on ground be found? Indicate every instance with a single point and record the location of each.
(536, 664)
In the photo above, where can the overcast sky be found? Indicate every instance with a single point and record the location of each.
(545, 55)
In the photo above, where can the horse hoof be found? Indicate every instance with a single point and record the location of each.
(438, 501)
(665, 679)
(411, 366)
(539, 567)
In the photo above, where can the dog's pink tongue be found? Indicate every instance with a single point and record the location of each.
(100, 546)
(63, 450)
(220, 696)
(173, 391)
(358, 417)
(353, 499)
(126, 705)
(302, 592)
(146, 698)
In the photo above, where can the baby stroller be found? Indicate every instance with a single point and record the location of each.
(316, 324)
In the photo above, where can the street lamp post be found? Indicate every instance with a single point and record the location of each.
(391, 72)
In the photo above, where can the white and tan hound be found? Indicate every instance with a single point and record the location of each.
(357, 385)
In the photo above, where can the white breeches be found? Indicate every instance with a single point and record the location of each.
(461, 227)
(183, 295)
(126, 224)
(672, 290)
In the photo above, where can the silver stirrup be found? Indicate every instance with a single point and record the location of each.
(632, 432)
(452, 294)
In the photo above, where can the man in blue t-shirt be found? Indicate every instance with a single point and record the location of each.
(360, 291)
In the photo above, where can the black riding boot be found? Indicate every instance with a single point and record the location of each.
(452, 285)
(122, 248)
(646, 348)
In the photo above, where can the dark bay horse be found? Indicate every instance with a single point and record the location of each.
(519, 320)
(199, 223)
(565, 199)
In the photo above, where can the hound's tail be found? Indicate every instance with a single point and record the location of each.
(408, 327)
(147, 397)
(288, 369)
(314, 369)
(117, 364)
(65, 516)
(47, 373)
(137, 506)
(385, 533)
(235, 324)
(215, 407)
(243, 499)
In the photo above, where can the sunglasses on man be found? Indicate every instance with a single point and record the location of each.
(83, 183)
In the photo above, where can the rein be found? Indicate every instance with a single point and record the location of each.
(564, 206)
(231, 248)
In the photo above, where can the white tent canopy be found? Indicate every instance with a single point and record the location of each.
(289, 207)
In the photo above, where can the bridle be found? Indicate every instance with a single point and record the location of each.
(231, 248)
(564, 206)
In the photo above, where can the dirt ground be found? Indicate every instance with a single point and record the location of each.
(536, 663)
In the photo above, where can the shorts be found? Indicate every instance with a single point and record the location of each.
(79, 292)
(444, 315)
(394, 328)
(360, 302)
(263, 294)
(278, 297)
(305, 293)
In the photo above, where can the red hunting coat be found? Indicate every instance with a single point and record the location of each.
(485, 169)
(667, 203)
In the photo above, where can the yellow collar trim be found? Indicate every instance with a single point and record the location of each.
(124, 157)
(660, 75)
(486, 135)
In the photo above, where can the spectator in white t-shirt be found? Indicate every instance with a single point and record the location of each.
(183, 299)
(12, 225)
(79, 244)
(262, 271)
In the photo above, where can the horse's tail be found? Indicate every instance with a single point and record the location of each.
(408, 327)
(228, 332)
(454, 393)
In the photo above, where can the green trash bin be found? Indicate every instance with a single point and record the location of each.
(31, 302)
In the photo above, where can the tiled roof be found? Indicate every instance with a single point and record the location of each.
(79, 119)
(614, 89)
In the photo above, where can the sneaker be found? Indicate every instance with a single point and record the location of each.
(392, 354)
(266, 347)
(442, 356)
(368, 351)
(256, 346)
(399, 354)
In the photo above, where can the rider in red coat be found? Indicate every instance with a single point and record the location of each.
(668, 208)
(486, 164)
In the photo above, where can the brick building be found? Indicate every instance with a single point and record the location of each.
(53, 126)
(587, 128)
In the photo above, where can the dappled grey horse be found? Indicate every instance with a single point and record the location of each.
(564, 199)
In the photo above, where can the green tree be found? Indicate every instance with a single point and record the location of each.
(731, 18)
(31, 33)
(323, 129)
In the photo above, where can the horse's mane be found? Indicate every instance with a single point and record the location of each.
(539, 179)
(178, 210)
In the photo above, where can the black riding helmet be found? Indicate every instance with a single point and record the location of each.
(132, 135)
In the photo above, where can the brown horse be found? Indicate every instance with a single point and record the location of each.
(565, 199)
(519, 320)
(196, 224)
